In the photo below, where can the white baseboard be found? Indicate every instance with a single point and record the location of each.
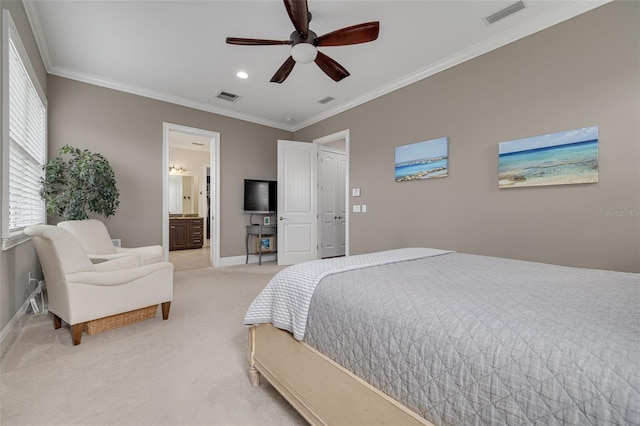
(23, 310)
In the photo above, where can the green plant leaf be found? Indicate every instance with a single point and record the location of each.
(84, 183)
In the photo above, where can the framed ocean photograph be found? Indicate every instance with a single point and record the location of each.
(264, 244)
(422, 160)
(562, 158)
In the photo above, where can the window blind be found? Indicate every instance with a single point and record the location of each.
(27, 145)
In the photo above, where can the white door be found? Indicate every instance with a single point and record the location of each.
(340, 202)
(332, 212)
(297, 202)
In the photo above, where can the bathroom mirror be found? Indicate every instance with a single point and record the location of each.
(183, 194)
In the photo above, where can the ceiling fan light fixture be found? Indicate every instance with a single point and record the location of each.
(304, 41)
(304, 53)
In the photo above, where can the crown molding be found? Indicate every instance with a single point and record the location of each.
(572, 10)
(33, 16)
(136, 90)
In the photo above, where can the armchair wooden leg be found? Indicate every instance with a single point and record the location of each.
(76, 333)
(165, 310)
(57, 321)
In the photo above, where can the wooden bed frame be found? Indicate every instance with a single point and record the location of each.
(322, 391)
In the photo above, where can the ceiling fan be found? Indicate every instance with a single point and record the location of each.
(304, 42)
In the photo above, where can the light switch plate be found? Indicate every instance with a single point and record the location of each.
(364, 208)
(356, 208)
(355, 192)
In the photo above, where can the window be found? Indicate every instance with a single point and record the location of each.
(24, 139)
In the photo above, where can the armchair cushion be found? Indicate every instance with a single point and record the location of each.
(147, 255)
(91, 234)
(127, 261)
(70, 257)
(96, 242)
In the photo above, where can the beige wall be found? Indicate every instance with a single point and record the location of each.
(16, 263)
(127, 130)
(580, 73)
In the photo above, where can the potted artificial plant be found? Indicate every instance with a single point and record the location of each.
(83, 184)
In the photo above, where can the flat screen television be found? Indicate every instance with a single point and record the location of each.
(260, 196)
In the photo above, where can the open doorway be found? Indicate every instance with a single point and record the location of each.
(333, 190)
(191, 197)
(298, 223)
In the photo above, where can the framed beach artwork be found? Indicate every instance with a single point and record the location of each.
(422, 160)
(561, 158)
(264, 244)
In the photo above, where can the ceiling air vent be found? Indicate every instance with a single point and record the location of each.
(503, 13)
(325, 100)
(226, 96)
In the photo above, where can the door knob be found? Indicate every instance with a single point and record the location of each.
(281, 218)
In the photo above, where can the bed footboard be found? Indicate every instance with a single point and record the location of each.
(322, 391)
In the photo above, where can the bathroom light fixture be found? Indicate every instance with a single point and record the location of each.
(174, 169)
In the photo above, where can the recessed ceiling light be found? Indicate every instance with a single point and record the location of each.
(242, 74)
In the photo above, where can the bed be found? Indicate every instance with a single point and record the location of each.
(424, 336)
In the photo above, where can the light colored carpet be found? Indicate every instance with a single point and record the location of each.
(188, 370)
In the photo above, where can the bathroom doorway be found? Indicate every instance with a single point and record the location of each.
(191, 197)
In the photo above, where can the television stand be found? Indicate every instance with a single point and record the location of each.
(261, 231)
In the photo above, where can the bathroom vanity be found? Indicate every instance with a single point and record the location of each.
(186, 232)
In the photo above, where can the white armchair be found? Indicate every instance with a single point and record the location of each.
(96, 242)
(79, 291)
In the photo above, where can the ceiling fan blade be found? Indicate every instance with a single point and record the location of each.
(361, 33)
(299, 13)
(284, 71)
(255, 41)
(330, 67)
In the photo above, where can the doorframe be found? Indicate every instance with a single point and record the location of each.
(214, 162)
(334, 137)
(203, 199)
